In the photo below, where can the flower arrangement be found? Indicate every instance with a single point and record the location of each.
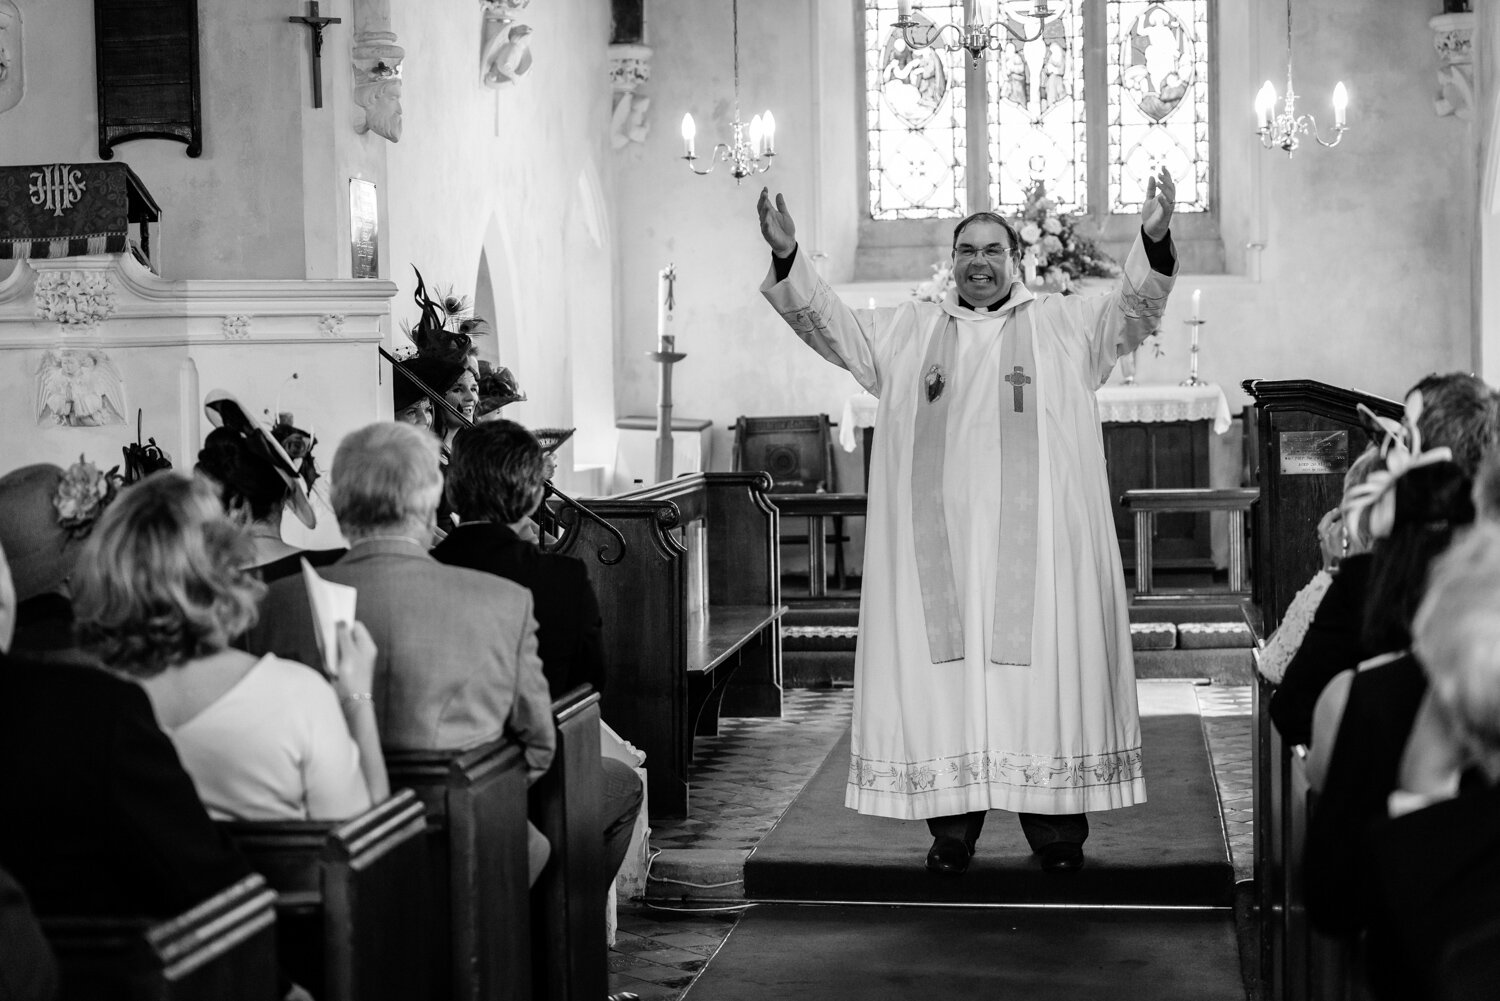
(1050, 241)
(82, 495)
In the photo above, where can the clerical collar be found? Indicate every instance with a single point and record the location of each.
(984, 309)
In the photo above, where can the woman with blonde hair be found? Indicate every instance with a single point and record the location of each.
(160, 592)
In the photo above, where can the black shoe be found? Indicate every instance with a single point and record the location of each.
(1062, 856)
(949, 856)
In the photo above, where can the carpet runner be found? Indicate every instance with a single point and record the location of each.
(1168, 851)
(842, 953)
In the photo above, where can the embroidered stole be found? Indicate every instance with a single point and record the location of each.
(1015, 575)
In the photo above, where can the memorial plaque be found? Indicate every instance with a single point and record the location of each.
(1313, 453)
(364, 230)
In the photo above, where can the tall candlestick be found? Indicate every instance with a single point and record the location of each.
(1197, 303)
(666, 303)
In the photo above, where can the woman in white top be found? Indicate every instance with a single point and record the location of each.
(159, 593)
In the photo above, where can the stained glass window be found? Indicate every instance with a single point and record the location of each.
(1158, 99)
(1037, 123)
(1038, 97)
(915, 108)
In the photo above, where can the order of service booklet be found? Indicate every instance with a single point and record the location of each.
(332, 604)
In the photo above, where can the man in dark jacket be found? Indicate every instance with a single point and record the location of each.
(495, 483)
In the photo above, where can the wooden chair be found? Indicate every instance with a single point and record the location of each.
(224, 949)
(478, 898)
(570, 956)
(350, 899)
(797, 453)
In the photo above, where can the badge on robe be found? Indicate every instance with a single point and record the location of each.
(935, 383)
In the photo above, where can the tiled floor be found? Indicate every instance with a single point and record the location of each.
(747, 776)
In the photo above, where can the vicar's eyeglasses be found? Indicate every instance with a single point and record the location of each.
(993, 252)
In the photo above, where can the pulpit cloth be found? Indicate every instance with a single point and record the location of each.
(1061, 735)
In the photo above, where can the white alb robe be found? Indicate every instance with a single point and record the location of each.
(1061, 735)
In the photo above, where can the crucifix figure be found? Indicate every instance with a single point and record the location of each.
(1019, 380)
(317, 24)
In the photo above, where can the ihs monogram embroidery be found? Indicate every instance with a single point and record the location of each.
(935, 383)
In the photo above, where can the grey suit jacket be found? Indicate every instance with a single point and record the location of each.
(457, 660)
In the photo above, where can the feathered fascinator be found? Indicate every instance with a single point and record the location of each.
(431, 334)
(1375, 499)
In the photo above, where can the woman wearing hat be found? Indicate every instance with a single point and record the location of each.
(257, 482)
(45, 515)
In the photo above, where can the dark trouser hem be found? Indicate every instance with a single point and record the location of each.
(619, 805)
(1041, 829)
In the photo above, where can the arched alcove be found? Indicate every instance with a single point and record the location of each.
(495, 296)
(484, 305)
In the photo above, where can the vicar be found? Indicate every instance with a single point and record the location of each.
(993, 669)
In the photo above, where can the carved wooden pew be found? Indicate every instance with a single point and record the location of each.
(1307, 434)
(350, 895)
(672, 667)
(224, 949)
(478, 900)
(570, 957)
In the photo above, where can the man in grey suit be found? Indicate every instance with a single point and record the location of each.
(457, 662)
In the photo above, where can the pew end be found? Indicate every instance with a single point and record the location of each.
(477, 893)
(570, 956)
(350, 898)
(223, 949)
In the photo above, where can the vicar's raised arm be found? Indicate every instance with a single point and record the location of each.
(808, 305)
(1133, 312)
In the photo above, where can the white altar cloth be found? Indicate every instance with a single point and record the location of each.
(1117, 404)
(1139, 404)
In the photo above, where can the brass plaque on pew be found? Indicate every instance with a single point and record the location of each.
(1314, 453)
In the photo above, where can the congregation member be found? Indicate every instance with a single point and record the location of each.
(1433, 927)
(28, 971)
(495, 483)
(975, 688)
(113, 826)
(1457, 411)
(457, 660)
(257, 483)
(1323, 632)
(160, 591)
(46, 514)
(411, 404)
(1363, 718)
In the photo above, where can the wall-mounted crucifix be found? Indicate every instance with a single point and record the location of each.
(317, 24)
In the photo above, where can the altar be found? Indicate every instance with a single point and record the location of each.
(1155, 437)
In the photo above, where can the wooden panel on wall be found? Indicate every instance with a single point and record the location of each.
(146, 65)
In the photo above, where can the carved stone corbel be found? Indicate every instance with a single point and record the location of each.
(629, 68)
(377, 69)
(504, 43)
(12, 69)
(1453, 39)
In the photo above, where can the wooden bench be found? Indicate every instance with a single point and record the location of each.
(1307, 433)
(816, 508)
(672, 667)
(1146, 505)
(478, 899)
(570, 956)
(224, 949)
(350, 897)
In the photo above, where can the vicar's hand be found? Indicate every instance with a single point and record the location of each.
(776, 224)
(1156, 210)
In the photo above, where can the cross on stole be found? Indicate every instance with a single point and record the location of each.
(317, 24)
(1019, 380)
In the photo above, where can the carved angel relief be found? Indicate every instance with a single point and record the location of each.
(505, 44)
(79, 389)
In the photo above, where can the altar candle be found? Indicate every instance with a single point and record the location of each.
(665, 302)
(1197, 302)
